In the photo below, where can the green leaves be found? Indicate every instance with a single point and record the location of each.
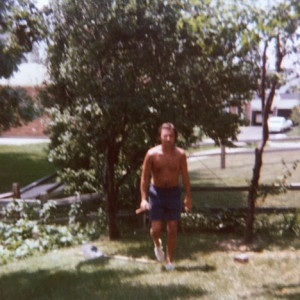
(27, 230)
(15, 106)
(119, 69)
(20, 27)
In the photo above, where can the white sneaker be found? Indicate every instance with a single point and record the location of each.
(159, 253)
(170, 267)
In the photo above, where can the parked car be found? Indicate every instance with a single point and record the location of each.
(279, 124)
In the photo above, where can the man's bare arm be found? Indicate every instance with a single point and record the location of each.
(186, 182)
(145, 181)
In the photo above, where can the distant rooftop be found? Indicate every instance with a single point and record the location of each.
(289, 96)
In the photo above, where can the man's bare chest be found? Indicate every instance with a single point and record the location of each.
(166, 163)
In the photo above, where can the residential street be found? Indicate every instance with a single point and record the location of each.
(255, 133)
(22, 141)
(246, 134)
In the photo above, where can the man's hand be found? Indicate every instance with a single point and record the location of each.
(188, 204)
(144, 205)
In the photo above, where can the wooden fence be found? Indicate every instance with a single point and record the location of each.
(92, 201)
(258, 210)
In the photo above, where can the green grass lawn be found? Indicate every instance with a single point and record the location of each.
(238, 172)
(205, 270)
(23, 164)
(205, 262)
(27, 163)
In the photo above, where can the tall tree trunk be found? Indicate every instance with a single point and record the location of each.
(114, 232)
(111, 193)
(252, 196)
(266, 104)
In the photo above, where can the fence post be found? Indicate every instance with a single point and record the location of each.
(16, 190)
(44, 198)
(223, 156)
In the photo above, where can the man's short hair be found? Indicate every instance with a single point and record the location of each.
(169, 126)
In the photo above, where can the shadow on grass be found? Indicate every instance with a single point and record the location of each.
(142, 245)
(99, 283)
(287, 292)
(190, 245)
(204, 268)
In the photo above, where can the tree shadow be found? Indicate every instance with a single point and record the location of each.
(287, 292)
(98, 283)
(205, 268)
(191, 244)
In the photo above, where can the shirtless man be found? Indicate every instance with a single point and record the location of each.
(163, 166)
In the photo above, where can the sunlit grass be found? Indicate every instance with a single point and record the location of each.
(205, 266)
(238, 172)
(205, 269)
(23, 164)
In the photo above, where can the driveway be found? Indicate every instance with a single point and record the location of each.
(22, 141)
(247, 134)
(255, 133)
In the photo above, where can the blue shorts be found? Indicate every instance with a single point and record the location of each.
(165, 202)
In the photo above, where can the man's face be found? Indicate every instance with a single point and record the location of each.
(167, 137)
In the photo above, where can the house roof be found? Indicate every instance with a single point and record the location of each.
(29, 74)
(281, 101)
(289, 96)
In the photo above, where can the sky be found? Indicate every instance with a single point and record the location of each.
(41, 3)
(32, 73)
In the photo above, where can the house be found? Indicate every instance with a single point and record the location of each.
(286, 98)
(30, 76)
(283, 105)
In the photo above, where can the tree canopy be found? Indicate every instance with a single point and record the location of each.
(119, 69)
(18, 32)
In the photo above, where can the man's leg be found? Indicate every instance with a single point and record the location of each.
(172, 228)
(156, 232)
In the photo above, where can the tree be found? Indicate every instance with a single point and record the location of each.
(119, 69)
(273, 29)
(18, 32)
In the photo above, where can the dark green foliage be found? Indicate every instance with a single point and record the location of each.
(119, 69)
(15, 106)
(233, 221)
(25, 229)
(19, 29)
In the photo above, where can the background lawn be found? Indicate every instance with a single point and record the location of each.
(23, 164)
(205, 265)
(206, 171)
(27, 163)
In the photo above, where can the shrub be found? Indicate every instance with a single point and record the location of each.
(233, 221)
(25, 230)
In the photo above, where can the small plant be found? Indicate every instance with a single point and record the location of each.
(223, 221)
(27, 231)
(280, 185)
(279, 225)
(46, 211)
(75, 212)
(20, 209)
